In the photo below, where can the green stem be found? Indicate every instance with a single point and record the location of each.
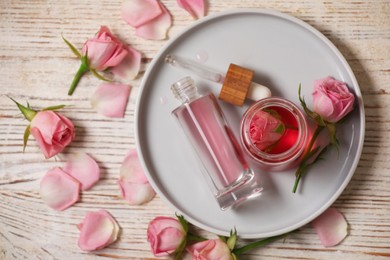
(246, 248)
(81, 71)
(306, 157)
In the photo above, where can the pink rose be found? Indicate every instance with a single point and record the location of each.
(52, 131)
(165, 235)
(332, 99)
(210, 249)
(265, 130)
(104, 50)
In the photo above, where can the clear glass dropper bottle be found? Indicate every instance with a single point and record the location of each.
(226, 171)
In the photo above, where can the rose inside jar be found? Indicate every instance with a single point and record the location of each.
(274, 132)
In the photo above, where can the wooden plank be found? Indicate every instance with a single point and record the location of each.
(35, 65)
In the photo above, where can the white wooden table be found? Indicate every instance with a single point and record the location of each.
(35, 65)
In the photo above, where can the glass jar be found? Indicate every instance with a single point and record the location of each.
(274, 132)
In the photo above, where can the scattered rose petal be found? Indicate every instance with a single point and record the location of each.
(136, 193)
(157, 28)
(84, 169)
(139, 12)
(130, 66)
(59, 190)
(133, 184)
(111, 99)
(196, 8)
(131, 169)
(98, 230)
(331, 227)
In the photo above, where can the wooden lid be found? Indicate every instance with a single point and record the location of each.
(236, 85)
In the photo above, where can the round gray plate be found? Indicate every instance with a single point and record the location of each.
(284, 52)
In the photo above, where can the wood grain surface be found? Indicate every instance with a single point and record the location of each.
(35, 65)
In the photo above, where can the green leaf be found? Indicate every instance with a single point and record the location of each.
(259, 243)
(316, 117)
(25, 137)
(72, 48)
(183, 222)
(101, 77)
(223, 238)
(231, 242)
(280, 129)
(27, 112)
(52, 108)
(272, 113)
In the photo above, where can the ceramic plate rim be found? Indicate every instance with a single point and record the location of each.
(300, 23)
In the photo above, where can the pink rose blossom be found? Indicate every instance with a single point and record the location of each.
(104, 50)
(52, 131)
(332, 99)
(165, 235)
(265, 130)
(210, 249)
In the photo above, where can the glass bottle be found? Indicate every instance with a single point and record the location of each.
(226, 171)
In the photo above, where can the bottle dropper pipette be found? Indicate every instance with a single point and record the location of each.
(237, 84)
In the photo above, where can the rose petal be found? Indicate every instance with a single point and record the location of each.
(111, 99)
(98, 230)
(139, 12)
(196, 8)
(58, 189)
(136, 193)
(157, 28)
(131, 169)
(331, 227)
(84, 169)
(130, 66)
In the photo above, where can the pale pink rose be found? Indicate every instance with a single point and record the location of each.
(265, 130)
(104, 50)
(210, 249)
(165, 235)
(52, 131)
(332, 99)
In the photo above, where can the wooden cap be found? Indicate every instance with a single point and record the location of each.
(236, 85)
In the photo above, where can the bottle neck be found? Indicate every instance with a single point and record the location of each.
(185, 90)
